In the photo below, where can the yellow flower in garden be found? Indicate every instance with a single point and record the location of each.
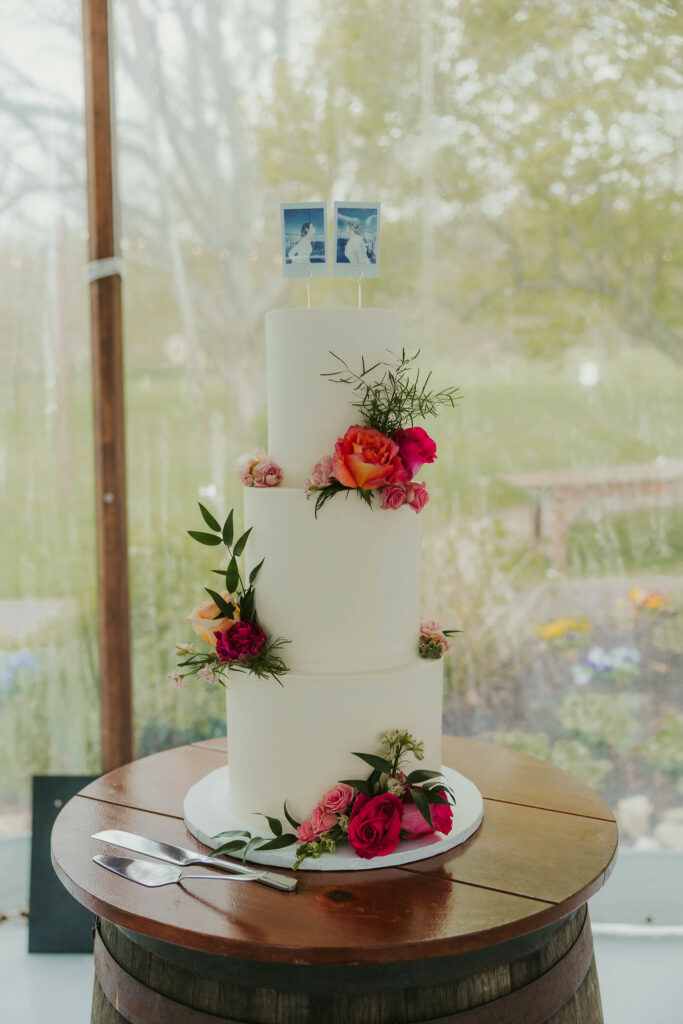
(558, 628)
(652, 601)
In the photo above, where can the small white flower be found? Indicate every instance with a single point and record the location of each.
(581, 675)
(176, 679)
(207, 674)
(183, 649)
(395, 786)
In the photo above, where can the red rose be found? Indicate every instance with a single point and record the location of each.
(375, 826)
(415, 448)
(242, 641)
(414, 825)
(366, 458)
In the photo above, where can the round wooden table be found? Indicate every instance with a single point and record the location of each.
(494, 931)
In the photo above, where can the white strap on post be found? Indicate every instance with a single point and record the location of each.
(98, 269)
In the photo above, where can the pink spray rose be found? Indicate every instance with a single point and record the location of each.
(393, 495)
(242, 641)
(322, 820)
(433, 641)
(414, 825)
(306, 833)
(417, 496)
(415, 448)
(266, 473)
(321, 472)
(337, 799)
(375, 826)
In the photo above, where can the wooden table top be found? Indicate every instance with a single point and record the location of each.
(546, 844)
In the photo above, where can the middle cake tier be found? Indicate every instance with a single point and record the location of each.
(343, 588)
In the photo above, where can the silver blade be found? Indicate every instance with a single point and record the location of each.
(182, 857)
(140, 871)
(139, 844)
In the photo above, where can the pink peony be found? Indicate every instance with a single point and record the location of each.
(375, 826)
(321, 473)
(242, 641)
(322, 820)
(417, 496)
(338, 798)
(266, 473)
(306, 833)
(415, 448)
(414, 825)
(393, 495)
(367, 459)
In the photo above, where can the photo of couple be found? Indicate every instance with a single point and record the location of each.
(304, 239)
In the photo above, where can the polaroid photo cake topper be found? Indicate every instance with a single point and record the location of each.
(304, 240)
(356, 239)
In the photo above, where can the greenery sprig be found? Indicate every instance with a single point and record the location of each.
(268, 661)
(399, 397)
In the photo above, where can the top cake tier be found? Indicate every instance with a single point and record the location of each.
(306, 411)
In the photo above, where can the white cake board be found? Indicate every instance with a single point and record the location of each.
(206, 814)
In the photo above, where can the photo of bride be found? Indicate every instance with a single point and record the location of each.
(304, 234)
(356, 239)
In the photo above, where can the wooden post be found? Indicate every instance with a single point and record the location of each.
(107, 368)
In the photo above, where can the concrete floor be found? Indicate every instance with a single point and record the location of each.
(640, 980)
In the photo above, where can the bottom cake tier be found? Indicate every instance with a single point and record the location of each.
(294, 742)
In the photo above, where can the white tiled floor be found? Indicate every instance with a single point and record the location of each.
(640, 980)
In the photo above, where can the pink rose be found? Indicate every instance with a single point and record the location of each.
(375, 826)
(306, 833)
(266, 473)
(415, 448)
(321, 472)
(417, 496)
(431, 633)
(242, 641)
(322, 820)
(338, 798)
(413, 825)
(393, 495)
(246, 465)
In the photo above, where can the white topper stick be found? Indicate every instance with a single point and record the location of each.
(357, 277)
(306, 275)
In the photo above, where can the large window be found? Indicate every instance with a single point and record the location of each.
(526, 157)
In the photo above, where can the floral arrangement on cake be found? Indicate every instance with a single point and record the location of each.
(259, 470)
(228, 622)
(372, 814)
(434, 642)
(383, 454)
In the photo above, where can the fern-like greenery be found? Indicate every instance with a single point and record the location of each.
(398, 397)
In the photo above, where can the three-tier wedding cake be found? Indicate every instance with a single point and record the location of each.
(343, 587)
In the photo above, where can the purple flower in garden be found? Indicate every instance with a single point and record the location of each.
(598, 659)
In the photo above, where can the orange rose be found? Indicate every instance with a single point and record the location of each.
(366, 458)
(204, 622)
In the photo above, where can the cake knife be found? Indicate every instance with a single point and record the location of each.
(183, 858)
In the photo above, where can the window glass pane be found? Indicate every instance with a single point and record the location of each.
(48, 634)
(526, 162)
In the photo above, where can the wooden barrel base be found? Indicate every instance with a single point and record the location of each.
(547, 976)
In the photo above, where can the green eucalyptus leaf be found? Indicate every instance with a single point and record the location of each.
(228, 529)
(292, 821)
(254, 844)
(274, 824)
(227, 608)
(276, 844)
(212, 523)
(422, 775)
(232, 847)
(209, 539)
(232, 576)
(422, 805)
(241, 544)
(247, 605)
(362, 785)
(255, 571)
(380, 764)
(232, 832)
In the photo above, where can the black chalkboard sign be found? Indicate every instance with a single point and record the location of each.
(57, 922)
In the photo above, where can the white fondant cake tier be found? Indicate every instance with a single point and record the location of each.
(295, 741)
(306, 411)
(343, 588)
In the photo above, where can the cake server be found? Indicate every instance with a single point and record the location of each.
(145, 873)
(183, 858)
